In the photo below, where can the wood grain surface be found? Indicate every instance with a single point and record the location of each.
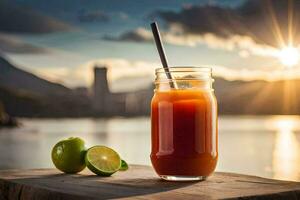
(140, 182)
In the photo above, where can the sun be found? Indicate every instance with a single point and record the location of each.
(289, 56)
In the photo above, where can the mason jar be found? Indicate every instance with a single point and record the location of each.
(184, 124)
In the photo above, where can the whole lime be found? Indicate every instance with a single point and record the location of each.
(68, 155)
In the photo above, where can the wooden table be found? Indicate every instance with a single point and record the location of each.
(140, 182)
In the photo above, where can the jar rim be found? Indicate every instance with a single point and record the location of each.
(184, 69)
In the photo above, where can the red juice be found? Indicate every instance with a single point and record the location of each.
(184, 132)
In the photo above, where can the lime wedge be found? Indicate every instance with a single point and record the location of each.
(124, 165)
(102, 160)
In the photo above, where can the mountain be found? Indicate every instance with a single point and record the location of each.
(25, 94)
(20, 104)
(14, 78)
(258, 97)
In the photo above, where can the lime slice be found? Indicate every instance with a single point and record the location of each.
(102, 160)
(124, 165)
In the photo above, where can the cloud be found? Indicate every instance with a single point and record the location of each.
(245, 44)
(119, 68)
(11, 44)
(265, 22)
(137, 35)
(256, 74)
(14, 19)
(93, 16)
(254, 28)
(128, 75)
(82, 75)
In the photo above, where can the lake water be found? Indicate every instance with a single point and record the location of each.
(267, 146)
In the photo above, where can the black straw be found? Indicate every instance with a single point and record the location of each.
(161, 52)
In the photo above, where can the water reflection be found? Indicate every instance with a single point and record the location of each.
(267, 146)
(286, 154)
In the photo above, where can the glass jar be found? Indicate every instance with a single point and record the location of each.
(184, 124)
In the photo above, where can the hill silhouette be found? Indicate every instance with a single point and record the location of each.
(258, 97)
(27, 95)
(14, 78)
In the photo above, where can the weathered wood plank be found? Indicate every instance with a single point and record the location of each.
(140, 182)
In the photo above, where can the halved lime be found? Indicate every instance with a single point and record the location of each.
(102, 160)
(124, 165)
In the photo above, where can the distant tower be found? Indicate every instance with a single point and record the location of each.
(101, 90)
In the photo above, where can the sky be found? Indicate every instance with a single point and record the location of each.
(63, 40)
